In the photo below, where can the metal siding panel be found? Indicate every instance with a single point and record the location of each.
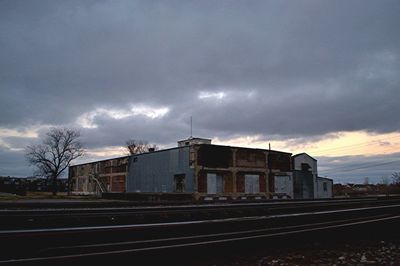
(154, 172)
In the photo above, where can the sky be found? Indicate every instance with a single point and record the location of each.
(320, 77)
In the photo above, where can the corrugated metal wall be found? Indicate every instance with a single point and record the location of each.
(155, 171)
(303, 185)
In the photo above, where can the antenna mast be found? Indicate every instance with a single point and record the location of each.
(191, 127)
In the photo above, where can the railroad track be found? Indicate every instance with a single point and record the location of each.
(72, 243)
(74, 217)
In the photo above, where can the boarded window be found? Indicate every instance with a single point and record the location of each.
(252, 184)
(283, 184)
(215, 183)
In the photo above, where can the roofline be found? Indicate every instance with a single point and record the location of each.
(175, 148)
(238, 147)
(151, 152)
(193, 138)
(305, 154)
(103, 160)
(327, 178)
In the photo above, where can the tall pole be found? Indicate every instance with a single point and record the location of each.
(270, 177)
(191, 127)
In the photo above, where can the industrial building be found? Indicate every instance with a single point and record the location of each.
(206, 171)
(197, 166)
(100, 176)
(307, 184)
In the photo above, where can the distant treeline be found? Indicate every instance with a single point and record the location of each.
(365, 189)
(19, 186)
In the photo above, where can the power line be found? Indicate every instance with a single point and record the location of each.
(359, 168)
(367, 143)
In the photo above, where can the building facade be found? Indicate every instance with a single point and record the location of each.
(101, 176)
(324, 188)
(205, 170)
(208, 170)
(306, 183)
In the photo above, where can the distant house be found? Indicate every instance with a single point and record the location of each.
(324, 188)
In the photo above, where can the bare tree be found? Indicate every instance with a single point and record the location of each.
(139, 146)
(55, 153)
(396, 178)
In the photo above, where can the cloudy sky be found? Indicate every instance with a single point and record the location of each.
(320, 77)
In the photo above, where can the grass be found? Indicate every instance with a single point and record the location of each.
(45, 195)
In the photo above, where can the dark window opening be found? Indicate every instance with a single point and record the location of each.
(214, 156)
(305, 167)
(179, 183)
(325, 185)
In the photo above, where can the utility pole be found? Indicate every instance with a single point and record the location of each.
(270, 179)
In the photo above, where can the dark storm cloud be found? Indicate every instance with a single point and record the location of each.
(286, 68)
(59, 59)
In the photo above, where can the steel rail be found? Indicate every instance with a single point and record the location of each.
(283, 228)
(287, 203)
(180, 223)
(347, 223)
(38, 218)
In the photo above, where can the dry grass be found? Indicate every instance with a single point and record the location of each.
(45, 195)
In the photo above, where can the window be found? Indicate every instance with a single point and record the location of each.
(180, 183)
(305, 167)
(325, 185)
(215, 183)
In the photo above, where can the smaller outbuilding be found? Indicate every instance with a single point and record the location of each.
(306, 183)
(324, 188)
